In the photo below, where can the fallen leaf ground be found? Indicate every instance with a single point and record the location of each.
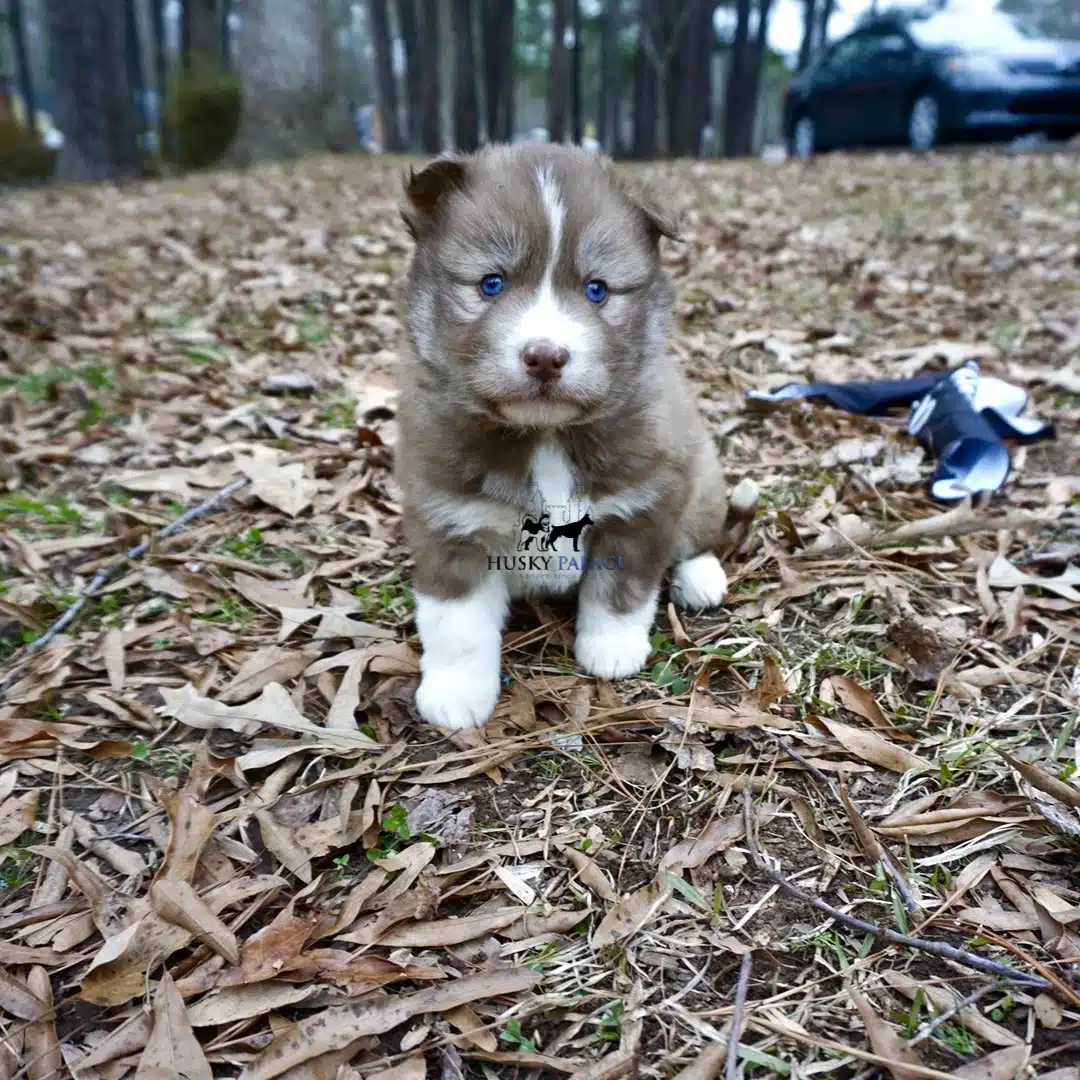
(229, 847)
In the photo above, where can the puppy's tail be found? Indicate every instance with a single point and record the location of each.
(742, 506)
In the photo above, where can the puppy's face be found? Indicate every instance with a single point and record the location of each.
(535, 294)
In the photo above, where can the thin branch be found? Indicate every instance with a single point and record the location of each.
(935, 948)
(888, 860)
(731, 1071)
(931, 1026)
(106, 574)
(959, 522)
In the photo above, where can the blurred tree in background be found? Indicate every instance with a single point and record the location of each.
(141, 85)
(95, 104)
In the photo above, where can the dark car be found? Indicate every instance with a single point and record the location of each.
(929, 78)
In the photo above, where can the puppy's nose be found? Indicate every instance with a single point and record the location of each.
(544, 360)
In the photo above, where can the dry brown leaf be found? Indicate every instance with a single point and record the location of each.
(17, 814)
(271, 664)
(1003, 575)
(177, 902)
(262, 956)
(44, 1060)
(861, 702)
(118, 971)
(1007, 1064)
(342, 713)
(273, 707)
(472, 1027)
(1047, 1011)
(280, 841)
(1037, 778)
(122, 859)
(630, 914)
(333, 1029)
(871, 747)
(588, 873)
(720, 834)
(706, 1066)
(191, 825)
(283, 486)
(232, 1003)
(172, 1052)
(112, 652)
(19, 1000)
(885, 1041)
(443, 932)
(770, 687)
(413, 1068)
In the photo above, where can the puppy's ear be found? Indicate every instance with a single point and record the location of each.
(426, 190)
(657, 222)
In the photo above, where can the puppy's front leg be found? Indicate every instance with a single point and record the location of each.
(618, 595)
(461, 606)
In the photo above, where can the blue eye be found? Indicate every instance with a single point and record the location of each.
(596, 291)
(491, 285)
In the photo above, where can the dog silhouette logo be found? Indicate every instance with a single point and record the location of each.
(532, 528)
(572, 531)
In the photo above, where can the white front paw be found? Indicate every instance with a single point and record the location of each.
(613, 652)
(458, 697)
(699, 582)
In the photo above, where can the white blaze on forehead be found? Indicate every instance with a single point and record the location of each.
(555, 211)
(544, 319)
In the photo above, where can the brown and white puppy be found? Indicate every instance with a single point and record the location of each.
(538, 402)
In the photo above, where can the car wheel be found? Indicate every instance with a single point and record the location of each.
(804, 138)
(924, 123)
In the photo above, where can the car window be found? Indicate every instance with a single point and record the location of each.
(847, 53)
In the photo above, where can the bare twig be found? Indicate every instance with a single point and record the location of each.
(961, 521)
(731, 1070)
(935, 948)
(106, 574)
(931, 1026)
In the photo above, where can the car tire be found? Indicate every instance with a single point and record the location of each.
(804, 142)
(924, 123)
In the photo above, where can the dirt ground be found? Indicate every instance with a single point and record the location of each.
(229, 848)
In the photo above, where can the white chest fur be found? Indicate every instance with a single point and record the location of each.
(551, 546)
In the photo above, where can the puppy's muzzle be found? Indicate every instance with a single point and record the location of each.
(544, 361)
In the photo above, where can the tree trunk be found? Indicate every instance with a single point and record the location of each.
(498, 31)
(823, 26)
(94, 106)
(575, 73)
(806, 45)
(735, 102)
(559, 86)
(135, 73)
(431, 129)
(757, 64)
(682, 109)
(291, 101)
(707, 44)
(695, 93)
(466, 106)
(607, 125)
(384, 71)
(201, 41)
(22, 63)
(414, 74)
(644, 145)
